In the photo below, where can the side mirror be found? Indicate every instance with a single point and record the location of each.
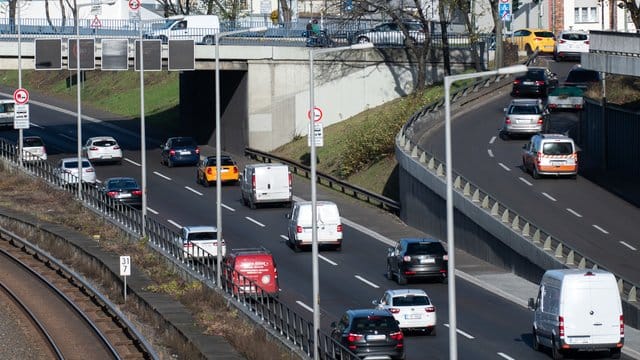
(532, 304)
(375, 302)
(505, 109)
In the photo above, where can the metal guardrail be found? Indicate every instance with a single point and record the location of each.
(523, 227)
(294, 329)
(354, 191)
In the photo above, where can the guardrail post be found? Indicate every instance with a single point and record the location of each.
(494, 209)
(570, 258)
(515, 224)
(558, 253)
(432, 164)
(620, 284)
(632, 295)
(547, 244)
(485, 202)
(582, 264)
(525, 230)
(467, 189)
(440, 170)
(456, 183)
(505, 216)
(423, 158)
(476, 196)
(414, 152)
(407, 145)
(402, 139)
(536, 237)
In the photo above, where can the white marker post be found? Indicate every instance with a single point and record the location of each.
(125, 270)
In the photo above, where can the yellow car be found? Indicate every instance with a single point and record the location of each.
(530, 40)
(206, 172)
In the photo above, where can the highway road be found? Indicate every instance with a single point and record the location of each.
(490, 327)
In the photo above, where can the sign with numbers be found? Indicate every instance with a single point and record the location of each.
(125, 265)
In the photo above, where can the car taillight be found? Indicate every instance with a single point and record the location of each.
(540, 121)
(561, 41)
(539, 82)
(188, 245)
(197, 150)
(586, 42)
(89, 170)
(537, 39)
(299, 229)
(621, 325)
(112, 194)
(235, 169)
(394, 310)
(399, 337)
(430, 309)
(253, 181)
(290, 179)
(561, 326)
(406, 258)
(265, 279)
(209, 171)
(507, 120)
(137, 192)
(172, 152)
(116, 147)
(351, 338)
(339, 228)
(93, 148)
(445, 257)
(516, 82)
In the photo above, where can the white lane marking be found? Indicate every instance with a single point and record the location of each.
(326, 259)
(504, 166)
(284, 237)
(525, 181)
(162, 176)
(132, 162)
(367, 282)
(574, 212)
(67, 136)
(193, 190)
(627, 245)
(493, 138)
(601, 229)
(503, 355)
(549, 196)
(304, 305)
(255, 221)
(490, 152)
(153, 211)
(174, 224)
(467, 335)
(36, 125)
(227, 207)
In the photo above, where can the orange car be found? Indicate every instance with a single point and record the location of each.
(206, 172)
(530, 40)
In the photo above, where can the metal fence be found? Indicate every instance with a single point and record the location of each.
(295, 330)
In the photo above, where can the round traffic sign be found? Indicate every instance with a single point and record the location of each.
(317, 114)
(21, 96)
(134, 5)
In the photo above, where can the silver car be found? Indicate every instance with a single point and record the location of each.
(524, 116)
(389, 34)
(67, 171)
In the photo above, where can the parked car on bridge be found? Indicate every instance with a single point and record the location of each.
(370, 333)
(389, 33)
(417, 258)
(179, 151)
(412, 308)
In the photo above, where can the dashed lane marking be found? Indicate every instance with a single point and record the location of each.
(549, 196)
(327, 260)
(465, 334)
(131, 161)
(227, 207)
(255, 221)
(627, 245)
(193, 190)
(174, 224)
(153, 211)
(493, 139)
(310, 309)
(490, 152)
(601, 229)
(367, 281)
(504, 166)
(525, 181)
(162, 176)
(574, 212)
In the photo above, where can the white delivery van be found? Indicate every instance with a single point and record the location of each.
(199, 28)
(266, 183)
(578, 310)
(329, 225)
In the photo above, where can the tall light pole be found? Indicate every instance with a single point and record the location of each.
(448, 80)
(218, 147)
(314, 210)
(78, 96)
(20, 133)
(143, 139)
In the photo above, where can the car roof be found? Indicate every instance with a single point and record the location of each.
(554, 136)
(404, 292)
(416, 240)
(200, 228)
(368, 312)
(73, 159)
(264, 165)
(94, 138)
(119, 178)
(526, 102)
(574, 32)
(222, 157)
(250, 251)
(318, 202)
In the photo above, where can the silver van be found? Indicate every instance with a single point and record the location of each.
(266, 184)
(329, 225)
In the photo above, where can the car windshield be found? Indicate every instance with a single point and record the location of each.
(223, 161)
(124, 184)
(524, 109)
(374, 323)
(184, 143)
(581, 76)
(74, 164)
(425, 248)
(557, 148)
(544, 34)
(205, 235)
(411, 301)
(575, 37)
(30, 142)
(535, 75)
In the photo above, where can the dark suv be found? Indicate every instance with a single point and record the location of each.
(581, 77)
(417, 258)
(370, 333)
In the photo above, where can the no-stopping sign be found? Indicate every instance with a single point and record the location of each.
(21, 96)
(317, 114)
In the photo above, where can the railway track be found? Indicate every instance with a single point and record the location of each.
(73, 321)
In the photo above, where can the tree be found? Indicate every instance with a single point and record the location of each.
(634, 11)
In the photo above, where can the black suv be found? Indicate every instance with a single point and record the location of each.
(581, 77)
(417, 258)
(370, 333)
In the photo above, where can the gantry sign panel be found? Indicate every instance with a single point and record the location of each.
(48, 54)
(181, 55)
(115, 54)
(152, 55)
(87, 54)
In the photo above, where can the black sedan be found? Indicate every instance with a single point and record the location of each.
(417, 258)
(537, 82)
(123, 190)
(179, 151)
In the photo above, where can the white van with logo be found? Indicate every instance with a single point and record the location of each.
(578, 310)
(550, 154)
(199, 28)
(329, 225)
(266, 184)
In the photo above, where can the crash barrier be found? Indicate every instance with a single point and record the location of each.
(288, 325)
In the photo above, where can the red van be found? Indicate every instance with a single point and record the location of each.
(244, 269)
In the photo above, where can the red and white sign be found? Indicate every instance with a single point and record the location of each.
(21, 96)
(134, 5)
(317, 114)
(96, 23)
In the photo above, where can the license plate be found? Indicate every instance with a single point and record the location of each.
(185, 152)
(376, 337)
(106, 156)
(427, 261)
(125, 195)
(558, 163)
(527, 82)
(412, 316)
(225, 170)
(579, 340)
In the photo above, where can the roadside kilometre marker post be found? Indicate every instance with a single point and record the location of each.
(125, 270)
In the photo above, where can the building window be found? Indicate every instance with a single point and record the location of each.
(585, 15)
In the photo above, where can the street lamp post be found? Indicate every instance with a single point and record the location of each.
(314, 210)
(218, 147)
(448, 80)
(20, 133)
(78, 92)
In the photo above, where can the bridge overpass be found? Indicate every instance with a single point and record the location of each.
(265, 89)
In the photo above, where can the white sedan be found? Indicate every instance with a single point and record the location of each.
(103, 149)
(412, 308)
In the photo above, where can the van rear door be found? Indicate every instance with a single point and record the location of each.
(272, 183)
(328, 223)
